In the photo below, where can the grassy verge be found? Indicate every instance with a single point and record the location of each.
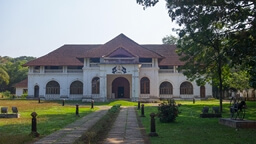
(190, 128)
(98, 132)
(52, 116)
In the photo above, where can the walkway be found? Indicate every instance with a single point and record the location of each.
(125, 129)
(73, 131)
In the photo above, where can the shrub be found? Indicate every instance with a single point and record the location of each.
(167, 111)
(6, 94)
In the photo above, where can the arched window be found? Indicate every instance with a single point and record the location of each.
(166, 88)
(96, 85)
(52, 87)
(144, 86)
(76, 87)
(186, 88)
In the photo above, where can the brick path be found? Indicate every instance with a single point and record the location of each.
(73, 131)
(125, 129)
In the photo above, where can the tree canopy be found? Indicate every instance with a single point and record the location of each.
(12, 71)
(170, 39)
(214, 35)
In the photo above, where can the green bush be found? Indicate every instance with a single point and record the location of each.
(24, 95)
(167, 111)
(6, 94)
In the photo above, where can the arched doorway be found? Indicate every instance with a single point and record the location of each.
(36, 91)
(202, 91)
(121, 88)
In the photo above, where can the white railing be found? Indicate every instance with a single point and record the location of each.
(146, 65)
(187, 96)
(75, 96)
(119, 60)
(144, 96)
(52, 97)
(166, 71)
(36, 71)
(53, 71)
(166, 96)
(75, 71)
(94, 64)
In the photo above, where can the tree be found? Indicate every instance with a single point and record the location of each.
(12, 71)
(214, 34)
(4, 77)
(171, 40)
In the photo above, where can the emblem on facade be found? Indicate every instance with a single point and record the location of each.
(118, 70)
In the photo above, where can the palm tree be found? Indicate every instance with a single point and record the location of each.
(4, 76)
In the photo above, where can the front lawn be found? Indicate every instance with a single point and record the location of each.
(190, 128)
(52, 116)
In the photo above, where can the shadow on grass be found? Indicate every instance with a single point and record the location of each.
(46, 124)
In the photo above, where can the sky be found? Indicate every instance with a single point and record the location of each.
(37, 27)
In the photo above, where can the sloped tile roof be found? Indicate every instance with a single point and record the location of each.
(22, 84)
(168, 52)
(64, 56)
(121, 41)
(69, 55)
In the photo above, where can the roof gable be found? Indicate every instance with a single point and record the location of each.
(120, 52)
(125, 43)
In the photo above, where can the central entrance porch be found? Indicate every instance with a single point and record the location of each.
(119, 86)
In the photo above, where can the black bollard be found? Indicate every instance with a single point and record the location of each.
(142, 111)
(63, 102)
(38, 99)
(92, 103)
(138, 105)
(77, 110)
(194, 100)
(153, 126)
(34, 132)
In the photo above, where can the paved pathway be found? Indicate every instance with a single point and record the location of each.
(74, 130)
(125, 129)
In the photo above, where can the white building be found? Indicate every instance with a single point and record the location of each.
(120, 68)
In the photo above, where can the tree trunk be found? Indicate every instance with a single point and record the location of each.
(220, 81)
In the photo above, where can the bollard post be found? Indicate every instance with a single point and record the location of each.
(92, 103)
(153, 126)
(194, 100)
(138, 105)
(38, 99)
(63, 102)
(142, 111)
(34, 132)
(77, 110)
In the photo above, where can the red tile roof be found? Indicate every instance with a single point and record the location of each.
(121, 41)
(22, 84)
(168, 52)
(63, 56)
(69, 55)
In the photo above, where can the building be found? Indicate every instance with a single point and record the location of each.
(120, 68)
(21, 88)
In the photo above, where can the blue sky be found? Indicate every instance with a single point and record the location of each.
(37, 27)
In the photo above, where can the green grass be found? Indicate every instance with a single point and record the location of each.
(190, 128)
(52, 116)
